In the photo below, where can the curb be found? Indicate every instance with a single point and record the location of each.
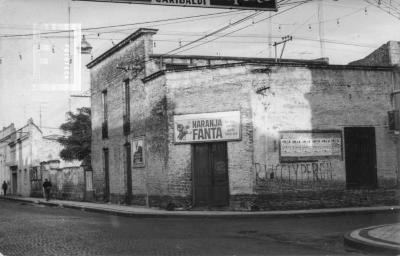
(369, 245)
(217, 214)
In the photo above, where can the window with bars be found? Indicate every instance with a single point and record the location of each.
(104, 125)
(127, 107)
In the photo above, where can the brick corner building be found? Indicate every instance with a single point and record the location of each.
(243, 133)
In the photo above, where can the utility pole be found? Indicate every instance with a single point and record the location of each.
(321, 28)
(284, 40)
(270, 35)
(40, 115)
(42, 107)
(69, 55)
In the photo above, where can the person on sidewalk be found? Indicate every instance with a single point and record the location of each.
(47, 189)
(4, 187)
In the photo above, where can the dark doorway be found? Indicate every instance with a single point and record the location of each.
(210, 175)
(360, 151)
(106, 175)
(128, 173)
(14, 180)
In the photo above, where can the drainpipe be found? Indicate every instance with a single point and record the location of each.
(394, 95)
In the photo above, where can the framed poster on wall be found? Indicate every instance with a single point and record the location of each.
(138, 155)
(298, 146)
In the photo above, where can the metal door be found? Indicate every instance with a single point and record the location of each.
(210, 174)
(360, 151)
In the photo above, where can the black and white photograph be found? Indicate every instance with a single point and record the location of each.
(199, 127)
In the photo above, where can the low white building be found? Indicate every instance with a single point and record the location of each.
(21, 152)
(5, 135)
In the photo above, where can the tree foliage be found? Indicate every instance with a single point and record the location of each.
(77, 143)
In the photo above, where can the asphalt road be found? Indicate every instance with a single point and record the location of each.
(31, 229)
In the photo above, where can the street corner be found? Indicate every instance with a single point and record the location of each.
(382, 239)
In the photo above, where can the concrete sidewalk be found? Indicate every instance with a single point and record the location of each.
(383, 239)
(138, 211)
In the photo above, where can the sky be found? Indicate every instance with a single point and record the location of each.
(350, 30)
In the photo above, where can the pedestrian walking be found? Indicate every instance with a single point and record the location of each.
(47, 188)
(4, 187)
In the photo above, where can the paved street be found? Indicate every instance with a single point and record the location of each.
(31, 229)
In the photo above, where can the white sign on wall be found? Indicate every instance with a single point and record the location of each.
(310, 145)
(217, 126)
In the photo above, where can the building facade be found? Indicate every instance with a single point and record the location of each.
(5, 135)
(27, 157)
(25, 148)
(241, 133)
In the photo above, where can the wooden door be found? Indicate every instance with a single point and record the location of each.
(106, 175)
(219, 174)
(201, 174)
(14, 183)
(210, 174)
(360, 152)
(128, 173)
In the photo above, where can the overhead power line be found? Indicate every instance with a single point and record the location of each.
(281, 3)
(229, 33)
(224, 28)
(120, 25)
(129, 30)
(387, 6)
(244, 36)
(329, 41)
(216, 31)
(307, 21)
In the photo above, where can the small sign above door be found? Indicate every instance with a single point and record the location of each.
(207, 127)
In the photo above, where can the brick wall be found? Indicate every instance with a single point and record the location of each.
(394, 52)
(313, 199)
(106, 76)
(210, 90)
(298, 98)
(294, 97)
(386, 55)
(319, 99)
(68, 183)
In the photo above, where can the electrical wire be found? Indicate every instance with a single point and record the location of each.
(294, 37)
(215, 32)
(269, 17)
(256, 42)
(120, 31)
(129, 30)
(120, 25)
(219, 30)
(340, 17)
(137, 23)
(383, 9)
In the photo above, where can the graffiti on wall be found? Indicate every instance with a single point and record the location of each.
(299, 171)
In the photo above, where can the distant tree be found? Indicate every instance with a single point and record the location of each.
(77, 143)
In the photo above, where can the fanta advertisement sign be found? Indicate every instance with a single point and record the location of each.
(217, 126)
